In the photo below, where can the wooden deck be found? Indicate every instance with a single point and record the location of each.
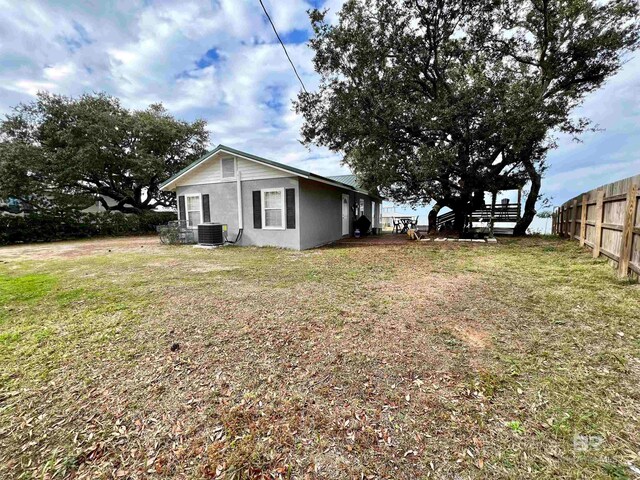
(502, 214)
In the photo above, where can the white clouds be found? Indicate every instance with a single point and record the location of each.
(60, 71)
(196, 91)
(30, 87)
(290, 13)
(586, 178)
(146, 52)
(156, 51)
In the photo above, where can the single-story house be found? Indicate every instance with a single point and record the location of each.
(271, 203)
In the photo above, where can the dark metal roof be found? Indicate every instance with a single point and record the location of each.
(350, 180)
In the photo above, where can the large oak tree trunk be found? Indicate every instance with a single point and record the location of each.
(459, 220)
(530, 205)
(433, 218)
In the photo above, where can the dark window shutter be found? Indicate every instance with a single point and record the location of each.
(181, 208)
(206, 212)
(291, 207)
(257, 209)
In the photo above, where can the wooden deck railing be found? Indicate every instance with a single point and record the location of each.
(607, 220)
(444, 218)
(502, 213)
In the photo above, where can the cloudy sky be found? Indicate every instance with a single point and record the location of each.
(219, 60)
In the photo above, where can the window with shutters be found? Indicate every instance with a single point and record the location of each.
(228, 166)
(193, 210)
(273, 209)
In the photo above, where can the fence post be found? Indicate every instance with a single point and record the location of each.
(583, 220)
(562, 220)
(599, 212)
(574, 215)
(559, 221)
(627, 231)
(554, 217)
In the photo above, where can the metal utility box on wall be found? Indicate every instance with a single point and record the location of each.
(212, 233)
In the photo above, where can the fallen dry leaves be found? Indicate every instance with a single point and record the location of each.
(391, 361)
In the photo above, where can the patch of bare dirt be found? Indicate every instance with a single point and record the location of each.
(433, 297)
(78, 248)
(474, 337)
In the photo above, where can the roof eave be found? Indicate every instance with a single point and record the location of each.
(169, 185)
(344, 185)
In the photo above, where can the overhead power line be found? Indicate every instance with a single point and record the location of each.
(282, 43)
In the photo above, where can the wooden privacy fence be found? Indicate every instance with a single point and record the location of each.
(606, 219)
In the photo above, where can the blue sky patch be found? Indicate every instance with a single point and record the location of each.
(71, 43)
(276, 98)
(82, 33)
(77, 41)
(295, 36)
(317, 3)
(212, 56)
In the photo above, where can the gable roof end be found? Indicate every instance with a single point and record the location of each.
(345, 181)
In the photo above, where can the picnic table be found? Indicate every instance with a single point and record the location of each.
(404, 224)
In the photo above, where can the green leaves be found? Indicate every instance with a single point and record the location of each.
(91, 146)
(444, 100)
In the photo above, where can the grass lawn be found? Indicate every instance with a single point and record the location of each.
(128, 359)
